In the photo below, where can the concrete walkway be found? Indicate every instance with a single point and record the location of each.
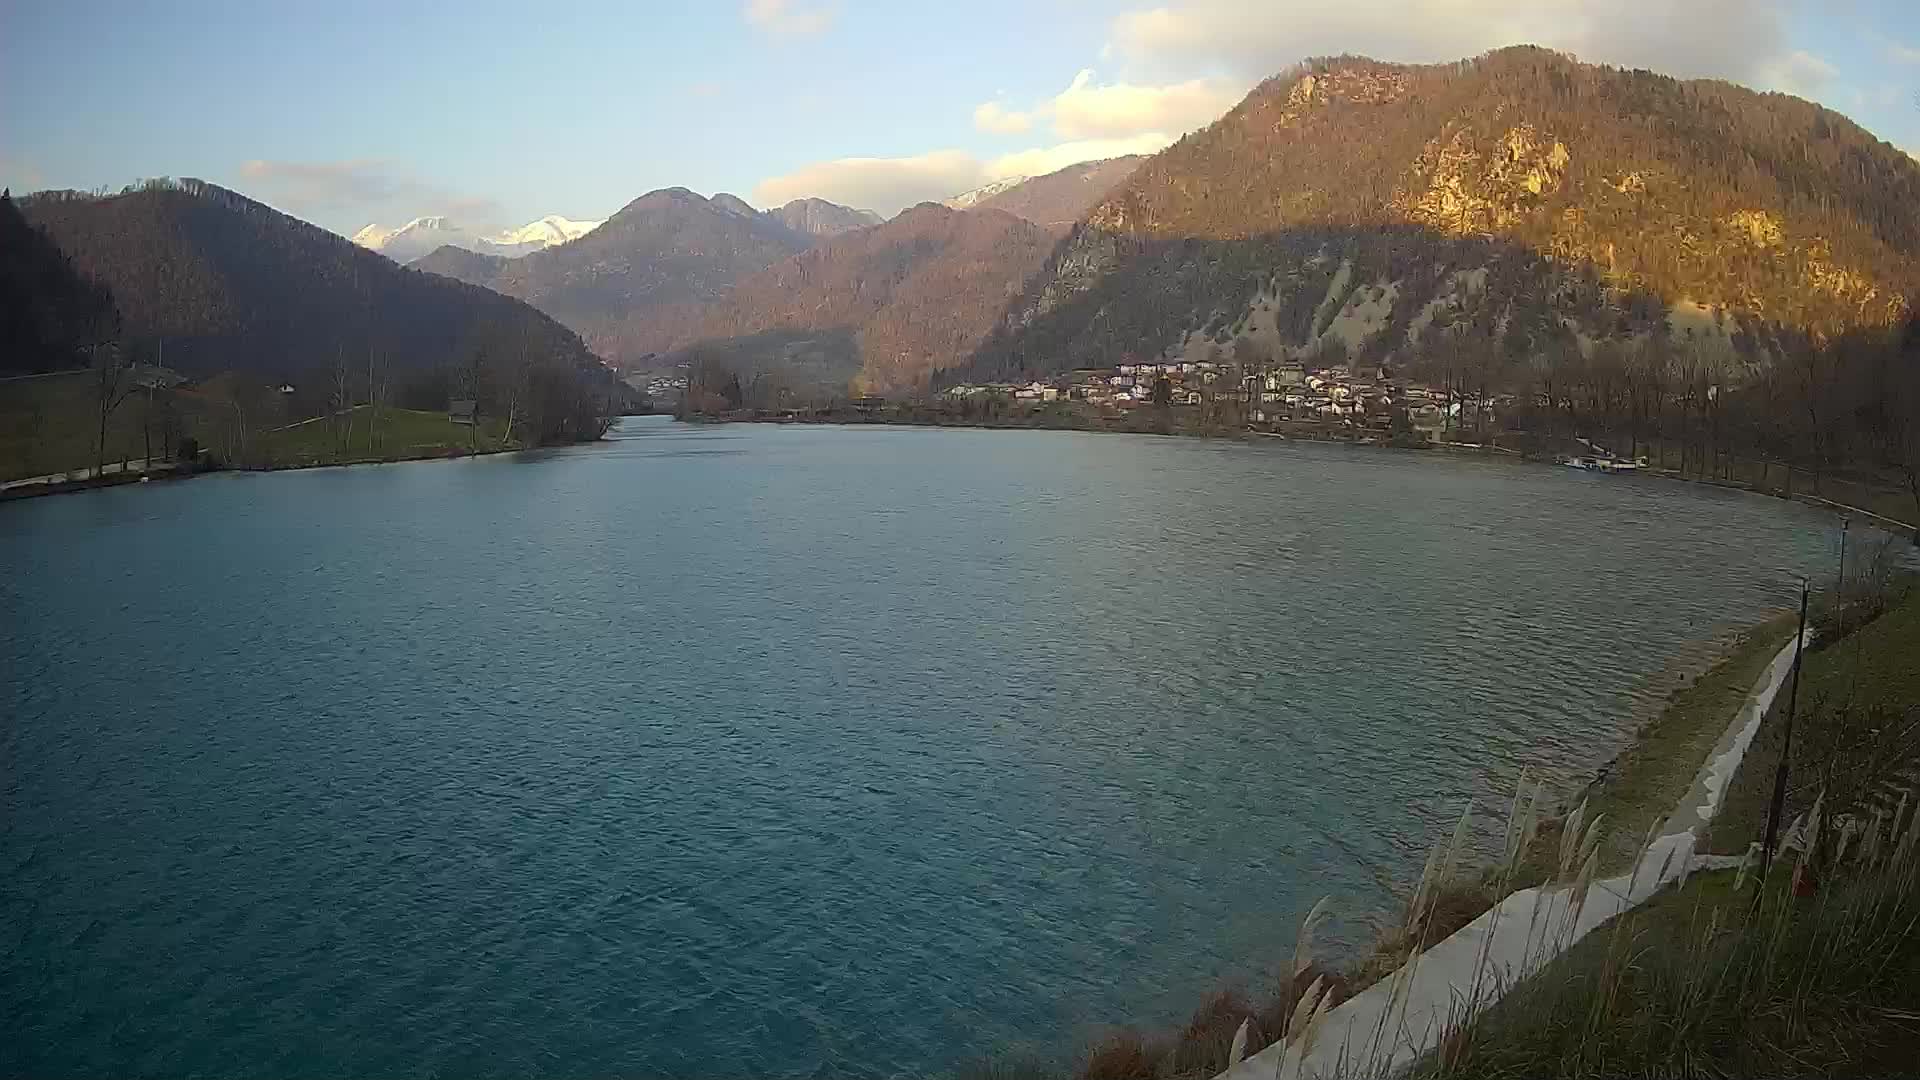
(1390, 1025)
(136, 465)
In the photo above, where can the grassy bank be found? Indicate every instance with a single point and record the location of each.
(364, 434)
(1642, 786)
(1814, 973)
(1697, 982)
(49, 425)
(1856, 733)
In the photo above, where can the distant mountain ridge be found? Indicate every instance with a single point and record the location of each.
(233, 285)
(1056, 199)
(1517, 208)
(426, 234)
(967, 200)
(818, 217)
(889, 305)
(636, 284)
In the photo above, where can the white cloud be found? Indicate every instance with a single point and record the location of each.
(1733, 39)
(1093, 120)
(329, 183)
(997, 119)
(20, 176)
(1903, 54)
(1045, 159)
(1088, 110)
(885, 185)
(889, 185)
(1799, 72)
(368, 187)
(788, 19)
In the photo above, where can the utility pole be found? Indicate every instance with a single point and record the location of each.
(1840, 583)
(1778, 804)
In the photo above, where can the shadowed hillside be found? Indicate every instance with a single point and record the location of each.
(230, 284)
(635, 284)
(48, 311)
(913, 295)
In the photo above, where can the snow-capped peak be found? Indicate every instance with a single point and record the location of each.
(985, 191)
(425, 234)
(373, 236)
(549, 230)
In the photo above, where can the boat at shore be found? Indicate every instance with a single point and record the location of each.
(1603, 464)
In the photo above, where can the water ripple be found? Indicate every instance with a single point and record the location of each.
(782, 751)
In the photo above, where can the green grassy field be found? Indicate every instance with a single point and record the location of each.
(361, 435)
(1822, 978)
(1652, 775)
(1876, 666)
(49, 424)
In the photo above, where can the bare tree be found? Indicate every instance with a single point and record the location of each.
(112, 383)
(341, 402)
(510, 384)
(376, 396)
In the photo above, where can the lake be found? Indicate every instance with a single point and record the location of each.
(786, 751)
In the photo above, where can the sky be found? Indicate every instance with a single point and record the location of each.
(350, 112)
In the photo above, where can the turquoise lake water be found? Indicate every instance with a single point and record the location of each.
(785, 751)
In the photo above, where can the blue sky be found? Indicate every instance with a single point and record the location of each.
(350, 112)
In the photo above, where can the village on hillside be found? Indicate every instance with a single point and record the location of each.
(1363, 396)
(1339, 395)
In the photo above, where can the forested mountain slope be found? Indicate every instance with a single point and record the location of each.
(49, 312)
(637, 284)
(818, 217)
(908, 297)
(232, 285)
(1514, 207)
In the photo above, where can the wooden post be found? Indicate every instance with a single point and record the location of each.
(1778, 804)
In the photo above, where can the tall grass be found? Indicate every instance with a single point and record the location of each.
(1815, 971)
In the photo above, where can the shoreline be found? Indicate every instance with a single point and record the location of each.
(1490, 451)
(1397, 1021)
(177, 472)
(1711, 696)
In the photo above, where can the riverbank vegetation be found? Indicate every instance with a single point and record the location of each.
(1815, 971)
(176, 322)
(226, 422)
(1834, 419)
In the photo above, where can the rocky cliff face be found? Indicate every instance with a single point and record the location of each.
(818, 217)
(1519, 205)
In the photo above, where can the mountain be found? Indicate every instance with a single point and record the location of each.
(636, 284)
(818, 217)
(1517, 208)
(544, 233)
(49, 311)
(733, 204)
(1055, 200)
(426, 234)
(232, 285)
(809, 217)
(967, 200)
(886, 306)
